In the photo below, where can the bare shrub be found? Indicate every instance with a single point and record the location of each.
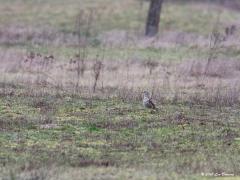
(38, 66)
(215, 44)
(82, 46)
(84, 26)
(97, 67)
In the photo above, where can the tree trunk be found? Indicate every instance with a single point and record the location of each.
(153, 18)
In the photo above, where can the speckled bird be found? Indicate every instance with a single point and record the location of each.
(147, 102)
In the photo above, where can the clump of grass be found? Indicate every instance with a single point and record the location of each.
(217, 96)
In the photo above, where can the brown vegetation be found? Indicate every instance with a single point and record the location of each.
(125, 78)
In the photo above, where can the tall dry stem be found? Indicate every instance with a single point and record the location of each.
(97, 67)
(84, 25)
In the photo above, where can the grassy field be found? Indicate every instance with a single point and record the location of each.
(74, 132)
(71, 81)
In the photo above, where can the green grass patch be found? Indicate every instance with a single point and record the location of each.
(118, 133)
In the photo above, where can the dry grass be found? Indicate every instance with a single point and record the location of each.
(99, 173)
(125, 79)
